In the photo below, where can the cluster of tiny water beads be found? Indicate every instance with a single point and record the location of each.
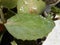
(30, 5)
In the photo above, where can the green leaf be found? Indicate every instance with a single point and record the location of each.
(30, 6)
(30, 27)
(8, 3)
(56, 10)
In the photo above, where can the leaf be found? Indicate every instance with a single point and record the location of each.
(30, 27)
(13, 43)
(56, 10)
(30, 6)
(8, 3)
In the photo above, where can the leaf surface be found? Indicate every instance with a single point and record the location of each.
(8, 3)
(30, 27)
(30, 6)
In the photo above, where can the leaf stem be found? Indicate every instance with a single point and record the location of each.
(2, 15)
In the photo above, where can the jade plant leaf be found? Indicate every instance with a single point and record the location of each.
(29, 27)
(30, 6)
(8, 3)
